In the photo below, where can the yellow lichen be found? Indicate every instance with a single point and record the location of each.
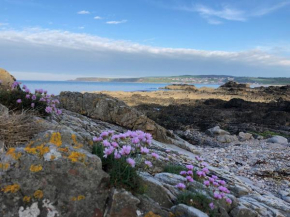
(78, 198)
(56, 139)
(4, 166)
(76, 143)
(77, 157)
(11, 188)
(11, 152)
(38, 194)
(35, 168)
(63, 149)
(52, 157)
(91, 142)
(38, 150)
(26, 199)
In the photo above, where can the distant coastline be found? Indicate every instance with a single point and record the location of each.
(193, 79)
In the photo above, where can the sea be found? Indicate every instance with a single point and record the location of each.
(55, 87)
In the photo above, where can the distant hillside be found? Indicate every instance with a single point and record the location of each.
(195, 79)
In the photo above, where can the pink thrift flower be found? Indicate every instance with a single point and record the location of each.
(97, 139)
(189, 167)
(154, 155)
(148, 163)
(214, 177)
(228, 200)
(211, 205)
(104, 134)
(19, 101)
(24, 87)
(135, 140)
(117, 155)
(222, 182)
(106, 143)
(183, 173)
(144, 150)
(200, 173)
(215, 184)
(27, 90)
(206, 183)
(33, 97)
(108, 151)
(59, 111)
(32, 105)
(180, 186)
(189, 178)
(205, 170)
(131, 162)
(198, 158)
(126, 149)
(27, 96)
(115, 144)
(189, 172)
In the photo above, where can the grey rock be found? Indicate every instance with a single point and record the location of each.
(169, 178)
(122, 203)
(69, 188)
(242, 211)
(216, 131)
(182, 210)
(147, 205)
(278, 139)
(245, 136)
(226, 138)
(156, 191)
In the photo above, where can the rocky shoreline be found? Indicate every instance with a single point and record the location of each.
(55, 173)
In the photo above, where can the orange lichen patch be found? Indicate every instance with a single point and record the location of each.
(4, 166)
(11, 152)
(52, 157)
(77, 144)
(56, 139)
(38, 194)
(35, 168)
(151, 214)
(30, 144)
(39, 150)
(63, 149)
(77, 157)
(91, 142)
(11, 188)
(78, 198)
(26, 199)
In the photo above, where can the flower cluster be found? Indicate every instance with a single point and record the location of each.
(213, 182)
(39, 95)
(126, 145)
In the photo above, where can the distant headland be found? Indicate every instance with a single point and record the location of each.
(196, 79)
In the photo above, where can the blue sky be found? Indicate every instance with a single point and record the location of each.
(62, 39)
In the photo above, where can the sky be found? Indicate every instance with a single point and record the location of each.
(65, 39)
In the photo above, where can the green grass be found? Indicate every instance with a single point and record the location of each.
(122, 175)
(268, 134)
(174, 168)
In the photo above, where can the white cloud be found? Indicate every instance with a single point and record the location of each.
(4, 24)
(98, 18)
(83, 12)
(116, 22)
(231, 13)
(67, 53)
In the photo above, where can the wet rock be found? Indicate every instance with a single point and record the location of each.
(122, 203)
(6, 79)
(278, 139)
(182, 210)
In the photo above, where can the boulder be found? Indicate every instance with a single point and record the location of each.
(3, 110)
(232, 85)
(242, 211)
(182, 210)
(52, 178)
(6, 79)
(112, 110)
(226, 138)
(278, 139)
(245, 136)
(216, 131)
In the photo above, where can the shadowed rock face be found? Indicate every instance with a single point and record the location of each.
(231, 85)
(109, 109)
(6, 79)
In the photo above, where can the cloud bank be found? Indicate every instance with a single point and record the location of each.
(43, 52)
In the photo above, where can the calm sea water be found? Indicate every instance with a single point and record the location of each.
(55, 87)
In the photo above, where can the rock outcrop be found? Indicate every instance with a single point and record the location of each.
(6, 79)
(234, 86)
(186, 87)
